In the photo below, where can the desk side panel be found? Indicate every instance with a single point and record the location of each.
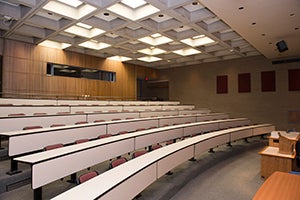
(161, 136)
(212, 117)
(203, 146)
(109, 116)
(16, 124)
(240, 134)
(54, 169)
(191, 130)
(177, 120)
(171, 161)
(263, 130)
(234, 123)
(131, 125)
(32, 142)
(158, 113)
(133, 185)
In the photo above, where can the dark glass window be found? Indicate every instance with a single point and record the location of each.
(79, 72)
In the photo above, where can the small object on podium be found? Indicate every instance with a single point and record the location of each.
(287, 142)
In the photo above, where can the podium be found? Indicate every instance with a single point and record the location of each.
(280, 154)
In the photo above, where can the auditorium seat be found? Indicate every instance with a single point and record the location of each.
(56, 125)
(115, 119)
(99, 120)
(155, 146)
(117, 162)
(79, 112)
(53, 146)
(138, 153)
(298, 153)
(31, 127)
(63, 113)
(81, 122)
(81, 141)
(16, 114)
(104, 136)
(87, 176)
(122, 132)
(39, 114)
(140, 129)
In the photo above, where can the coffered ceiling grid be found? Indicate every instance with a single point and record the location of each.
(175, 32)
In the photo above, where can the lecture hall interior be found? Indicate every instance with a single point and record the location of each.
(149, 99)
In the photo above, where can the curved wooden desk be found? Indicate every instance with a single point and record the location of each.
(280, 186)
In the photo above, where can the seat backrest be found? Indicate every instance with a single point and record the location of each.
(81, 122)
(157, 146)
(99, 120)
(31, 127)
(53, 146)
(104, 136)
(122, 132)
(56, 125)
(117, 162)
(16, 114)
(81, 141)
(86, 176)
(138, 153)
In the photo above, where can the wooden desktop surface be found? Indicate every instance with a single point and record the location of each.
(280, 186)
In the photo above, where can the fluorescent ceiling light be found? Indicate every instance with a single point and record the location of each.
(74, 3)
(119, 58)
(149, 59)
(76, 30)
(187, 51)
(94, 45)
(65, 10)
(84, 25)
(155, 41)
(156, 35)
(198, 40)
(152, 51)
(134, 3)
(133, 14)
(53, 44)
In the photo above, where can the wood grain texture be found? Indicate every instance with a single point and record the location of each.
(280, 186)
(24, 71)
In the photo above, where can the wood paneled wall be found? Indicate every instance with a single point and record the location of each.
(24, 71)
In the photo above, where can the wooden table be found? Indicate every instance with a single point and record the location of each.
(272, 160)
(280, 186)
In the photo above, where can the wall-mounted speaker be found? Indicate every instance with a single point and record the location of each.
(281, 46)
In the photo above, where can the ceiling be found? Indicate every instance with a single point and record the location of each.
(157, 33)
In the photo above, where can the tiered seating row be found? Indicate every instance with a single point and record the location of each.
(79, 156)
(11, 101)
(18, 123)
(31, 110)
(25, 141)
(140, 172)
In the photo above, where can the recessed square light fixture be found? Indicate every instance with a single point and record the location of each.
(156, 35)
(131, 13)
(119, 58)
(152, 51)
(149, 59)
(53, 44)
(84, 25)
(134, 3)
(83, 32)
(69, 11)
(94, 45)
(187, 52)
(73, 3)
(198, 40)
(154, 41)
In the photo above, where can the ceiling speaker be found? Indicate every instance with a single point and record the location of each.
(281, 46)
